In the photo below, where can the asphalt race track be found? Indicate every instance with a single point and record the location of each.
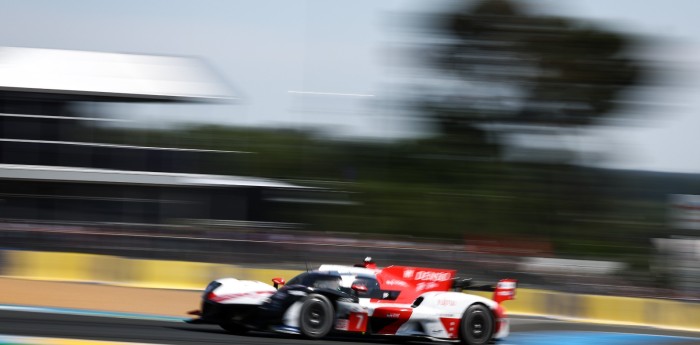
(524, 331)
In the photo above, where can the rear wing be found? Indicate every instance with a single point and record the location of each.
(504, 290)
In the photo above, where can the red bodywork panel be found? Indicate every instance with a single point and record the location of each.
(356, 322)
(451, 326)
(413, 281)
(395, 317)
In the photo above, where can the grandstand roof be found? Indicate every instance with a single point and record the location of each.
(92, 175)
(84, 75)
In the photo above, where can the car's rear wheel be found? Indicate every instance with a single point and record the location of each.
(316, 317)
(476, 327)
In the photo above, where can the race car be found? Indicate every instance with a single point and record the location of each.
(400, 301)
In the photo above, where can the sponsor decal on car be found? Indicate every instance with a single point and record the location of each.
(398, 317)
(356, 322)
(432, 276)
(341, 324)
(216, 298)
(426, 286)
(396, 282)
(413, 281)
(446, 302)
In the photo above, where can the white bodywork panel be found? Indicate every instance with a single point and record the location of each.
(438, 316)
(440, 313)
(234, 291)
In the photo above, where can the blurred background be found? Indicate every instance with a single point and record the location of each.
(550, 141)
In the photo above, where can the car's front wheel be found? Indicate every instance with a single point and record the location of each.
(316, 317)
(477, 324)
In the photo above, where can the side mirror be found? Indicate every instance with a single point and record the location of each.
(358, 288)
(276, 282)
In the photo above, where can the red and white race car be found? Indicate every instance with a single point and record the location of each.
(400, 301)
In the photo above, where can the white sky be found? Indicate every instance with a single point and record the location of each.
(266, 48)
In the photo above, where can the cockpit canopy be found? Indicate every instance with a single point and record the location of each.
(342, 282)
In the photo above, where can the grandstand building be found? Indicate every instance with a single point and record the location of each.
(52, 169)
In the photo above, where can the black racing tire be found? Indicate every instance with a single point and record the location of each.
(316, 317)
(233, 328)
(477, 325)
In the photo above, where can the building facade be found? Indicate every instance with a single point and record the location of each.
(54, 166)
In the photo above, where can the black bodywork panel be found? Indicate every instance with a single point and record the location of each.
(271, 312)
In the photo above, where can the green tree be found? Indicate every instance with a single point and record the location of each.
(508, 66)
(507, 72)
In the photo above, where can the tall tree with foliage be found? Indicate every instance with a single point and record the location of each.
(508, 66)
(506, 70)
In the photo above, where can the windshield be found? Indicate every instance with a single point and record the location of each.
(319, 281)
(326, 282)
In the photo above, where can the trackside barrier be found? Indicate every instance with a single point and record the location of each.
(115, 270)
(48, 266)
(605, 309)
